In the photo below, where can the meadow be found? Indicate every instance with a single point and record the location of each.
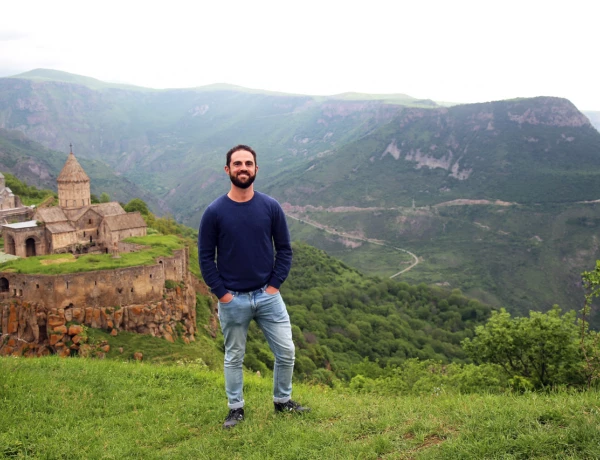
(77, 408)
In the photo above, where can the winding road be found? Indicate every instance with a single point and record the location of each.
(366, 240)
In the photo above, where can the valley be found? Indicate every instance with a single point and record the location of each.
(490, 198)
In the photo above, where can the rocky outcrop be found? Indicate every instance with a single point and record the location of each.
(34, 330)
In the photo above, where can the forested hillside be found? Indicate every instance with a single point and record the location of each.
(340, 317)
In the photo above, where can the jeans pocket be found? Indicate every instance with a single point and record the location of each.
(227, 303)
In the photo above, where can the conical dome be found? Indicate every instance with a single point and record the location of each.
(73, 185)
(72, 171)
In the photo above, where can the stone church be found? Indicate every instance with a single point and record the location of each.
(75, 225)
(11, 208)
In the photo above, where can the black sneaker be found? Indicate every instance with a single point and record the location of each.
(234, 417)
(290, 406)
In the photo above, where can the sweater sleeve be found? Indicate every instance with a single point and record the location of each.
(283, 247)
(207, 244)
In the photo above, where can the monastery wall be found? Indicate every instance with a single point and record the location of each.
(38, 311)
(117, 287)
(63, 240)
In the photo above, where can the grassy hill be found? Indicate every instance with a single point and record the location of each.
(76, 408)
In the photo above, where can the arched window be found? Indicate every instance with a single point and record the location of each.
(4, 285)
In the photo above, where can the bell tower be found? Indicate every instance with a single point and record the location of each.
(73, 185)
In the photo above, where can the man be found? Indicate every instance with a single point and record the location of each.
(242, 227)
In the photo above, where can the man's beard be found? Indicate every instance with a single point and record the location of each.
(238, 183)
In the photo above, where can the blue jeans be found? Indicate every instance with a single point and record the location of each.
(269, 311)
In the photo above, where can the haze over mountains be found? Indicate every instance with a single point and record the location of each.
(358, 160)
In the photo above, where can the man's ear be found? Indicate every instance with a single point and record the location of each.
(226, 169)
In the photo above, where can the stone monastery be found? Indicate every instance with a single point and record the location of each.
(46, 314)
(75, 225)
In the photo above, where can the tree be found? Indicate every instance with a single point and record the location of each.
(590, 340)
(137, 205)
(543, 348)
(104, 197)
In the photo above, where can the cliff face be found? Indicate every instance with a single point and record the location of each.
(526, 150)
(37, 312)
(36, 330)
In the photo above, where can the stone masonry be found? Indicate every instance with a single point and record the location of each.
(43, 314)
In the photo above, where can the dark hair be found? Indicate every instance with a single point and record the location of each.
(237, 148)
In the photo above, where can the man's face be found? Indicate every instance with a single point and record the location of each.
(242, 169)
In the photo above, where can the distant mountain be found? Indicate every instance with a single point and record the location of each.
(594, 118)
(40, 166)
(41, 75)
(172, 142)
(490, 197)
(540, 150)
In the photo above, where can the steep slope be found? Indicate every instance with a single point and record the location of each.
(594, 118)
(526, 150)
(497, 192)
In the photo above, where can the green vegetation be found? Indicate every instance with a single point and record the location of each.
(340, 317)
(160, 245)
(203, 351)
(137, 205)
(29, 194)
(538, 351)
(518, 257)
(117, 409)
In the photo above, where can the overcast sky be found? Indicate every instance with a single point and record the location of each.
(457, 51)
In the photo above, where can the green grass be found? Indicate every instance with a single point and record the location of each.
(160, 245)
(76, 408)
(155, 350)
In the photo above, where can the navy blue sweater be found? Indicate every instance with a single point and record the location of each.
(243, 235)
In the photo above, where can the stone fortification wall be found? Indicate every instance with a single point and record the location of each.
(124, 286)
(35, 330)
(38, 311)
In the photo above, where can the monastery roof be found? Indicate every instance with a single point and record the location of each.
(108, 209)
(51, 215)
(75, 214)
(6, 191)
(72, 171)
(60, 227)
(26, 224)
(125, 221)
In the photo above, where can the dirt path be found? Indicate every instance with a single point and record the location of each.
(366, 240)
